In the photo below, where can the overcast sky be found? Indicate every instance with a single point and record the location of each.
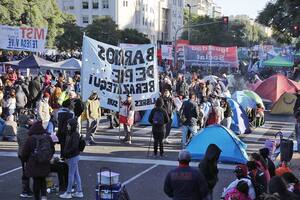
(237, 7)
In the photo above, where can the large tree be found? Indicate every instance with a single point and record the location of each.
(103, 29)
(282, 16)
(132, 36)
(42, 13)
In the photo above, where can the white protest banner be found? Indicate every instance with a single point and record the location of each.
(22, 38)
(114, 72)
(166, 52)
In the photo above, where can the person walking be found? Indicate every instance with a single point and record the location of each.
(127, 117)
(77, 107)
(22, 136)
(189, 116)
(37, 153)
(209, 167)
(93, 114)
(71, 153)
(169, 107)
(185, 182)
(159, 118)
(21, 99)
(43, 110)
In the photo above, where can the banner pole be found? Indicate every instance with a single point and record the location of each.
(120, 102)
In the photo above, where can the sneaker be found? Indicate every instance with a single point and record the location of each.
(26, 195)
(78, 195)
(66, 195)
(43, 198)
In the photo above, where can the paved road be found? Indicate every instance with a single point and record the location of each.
(142, 175)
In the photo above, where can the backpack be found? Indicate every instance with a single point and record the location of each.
(158, 118)
(42, 152)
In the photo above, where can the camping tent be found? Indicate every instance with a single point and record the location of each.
(254, 96)
(233, 149)
(32, 62)
(69, 64)
(240, 121)
(244, 100)
(272, 88)
(278, 61)
(175, 118)
(284, 105)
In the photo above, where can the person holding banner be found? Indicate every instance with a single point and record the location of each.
(127, 117)
(93, 114)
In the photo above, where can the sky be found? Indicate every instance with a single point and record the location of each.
(237, 7)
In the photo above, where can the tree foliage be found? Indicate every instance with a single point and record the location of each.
(42, 13)
(281, 15)
(240, 32)
(132, 36)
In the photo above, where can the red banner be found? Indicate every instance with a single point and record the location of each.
(210, 56)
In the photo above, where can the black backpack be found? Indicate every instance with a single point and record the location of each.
(42, 152)
(158, 118)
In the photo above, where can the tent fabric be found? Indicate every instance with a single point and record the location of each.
(244, 100)
(284, 105)
(33, 62)
(273, 87)
(278, 61)
(69, 64)
(240, 122)
(175, 118)
(233, 149)
(254, 85)
(254, 96)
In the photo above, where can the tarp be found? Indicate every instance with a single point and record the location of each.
(233, 149)
(254, 96)
(284, 105)
(69, 64)
(32, 62)
(175, 118)
(273, 87)
(244, 100)
(278, 61)
(240, 121)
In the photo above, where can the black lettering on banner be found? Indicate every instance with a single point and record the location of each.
(116, 74)
(97, 82)
(150, 54)
(151, 86)
(128, 57)
(141, 76)
(131, 90)
(150, 71)
(109, 87)
(100, 52)
(103, 85)
(138, 88)
(112, 102)
(91, 79)
(126, 88)
(144, 87)
(129, 74)
(138, 57)
(145, 102)
(110, 55)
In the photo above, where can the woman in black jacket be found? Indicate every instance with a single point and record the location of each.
(71, 153)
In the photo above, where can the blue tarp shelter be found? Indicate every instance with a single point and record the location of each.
(233, 149)
(175, 118)
(240, 121)
(244, 100)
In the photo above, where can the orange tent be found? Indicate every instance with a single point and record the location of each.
(272, 88)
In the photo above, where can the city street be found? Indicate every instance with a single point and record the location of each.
(143, 176)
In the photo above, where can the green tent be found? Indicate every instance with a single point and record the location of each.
(278, 61)
(297, 53)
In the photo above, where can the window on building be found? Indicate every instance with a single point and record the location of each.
(95, 4)
(126, 3)
(85, 5)
(85, 19)
(143, 20)
(71, 7)
(105, 3)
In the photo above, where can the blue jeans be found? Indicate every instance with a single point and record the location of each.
(74, 174)
(185, 129)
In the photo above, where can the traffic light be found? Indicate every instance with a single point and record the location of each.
(296, 30)
(23, 18)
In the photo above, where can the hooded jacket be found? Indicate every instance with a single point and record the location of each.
(277, 185)
(21, 98)
(72, 140)
(34, 169)
(208, 166)
(159, 108)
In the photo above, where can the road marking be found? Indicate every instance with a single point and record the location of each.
(10, 171)
(130, 160)
(140, 174)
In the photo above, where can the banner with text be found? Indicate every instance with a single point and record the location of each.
(22, 38)
(114, 72)
(210, 56)
(166, 52)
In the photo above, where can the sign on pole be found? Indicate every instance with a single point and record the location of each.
(22, 38)
(114, 72)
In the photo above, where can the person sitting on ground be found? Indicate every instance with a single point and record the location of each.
(260, 115)
(10, 129)
(258, 178)
(158, 118)
(241, 173)
(261, 165)
(277, 185)
(240, 192)
(265, 155)
(184, 182)
(293, 183)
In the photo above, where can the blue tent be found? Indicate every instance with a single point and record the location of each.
(244, 100)
(240, 122)
(233, 149)
(175, 118)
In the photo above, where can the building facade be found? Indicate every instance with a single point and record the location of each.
(205, 8)
(158, 19)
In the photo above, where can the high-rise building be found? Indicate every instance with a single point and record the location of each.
(204, 7)
(158, 19)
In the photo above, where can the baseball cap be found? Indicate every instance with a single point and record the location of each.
(184, 155)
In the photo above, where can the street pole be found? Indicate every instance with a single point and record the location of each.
(189, 21)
